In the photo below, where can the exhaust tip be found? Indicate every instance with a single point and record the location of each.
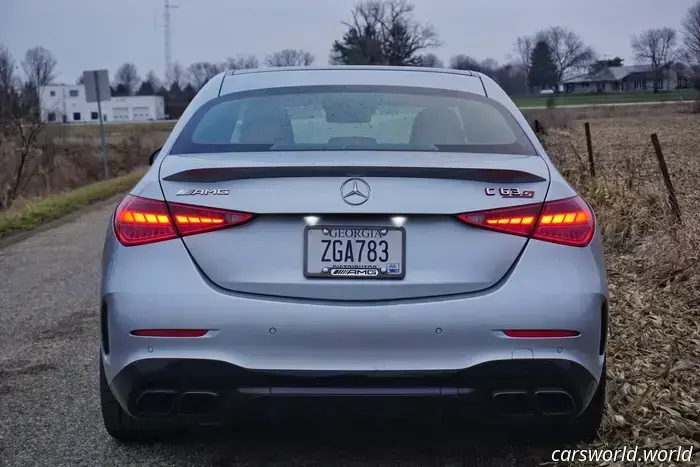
(554, 402)
(198, 403)
(512, 403)
(156, 402)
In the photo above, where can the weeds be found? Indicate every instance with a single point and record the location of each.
(40, 160)
(653, 267)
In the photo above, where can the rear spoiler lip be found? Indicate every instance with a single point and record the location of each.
(225, 174)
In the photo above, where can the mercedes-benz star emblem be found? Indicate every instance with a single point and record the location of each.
(355, 191)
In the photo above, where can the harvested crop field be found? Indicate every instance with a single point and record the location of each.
(653, 263)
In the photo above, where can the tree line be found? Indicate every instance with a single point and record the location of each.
(385, 32)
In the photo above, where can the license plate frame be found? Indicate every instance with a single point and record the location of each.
(379, 276)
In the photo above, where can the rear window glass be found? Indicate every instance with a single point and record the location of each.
(373, 118)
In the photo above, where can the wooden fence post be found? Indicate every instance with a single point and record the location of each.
(589, 144)
(673, 201)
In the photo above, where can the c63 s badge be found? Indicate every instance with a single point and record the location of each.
(509, 192)
(199, 191)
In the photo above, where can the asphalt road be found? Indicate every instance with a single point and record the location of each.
(49, 407)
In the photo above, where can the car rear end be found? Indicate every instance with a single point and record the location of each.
(342, 232)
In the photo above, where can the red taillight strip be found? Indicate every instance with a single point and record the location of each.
(169, 332)
(566, 221)
(140, 221)
(540, 333)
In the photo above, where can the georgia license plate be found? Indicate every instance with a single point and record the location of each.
(355, 252)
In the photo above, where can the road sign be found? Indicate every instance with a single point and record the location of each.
(96, 85)
(97, 90)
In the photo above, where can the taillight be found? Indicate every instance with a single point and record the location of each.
(567, 221)
(140, 220)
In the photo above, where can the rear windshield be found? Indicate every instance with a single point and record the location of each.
(365, 118)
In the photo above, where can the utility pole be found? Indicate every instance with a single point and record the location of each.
(168, 37)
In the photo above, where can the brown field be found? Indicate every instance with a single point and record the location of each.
(653, 262)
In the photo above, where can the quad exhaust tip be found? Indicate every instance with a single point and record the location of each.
(156, 402)
(513, 403)
(198, 403)
(554, 402)
(546, 402)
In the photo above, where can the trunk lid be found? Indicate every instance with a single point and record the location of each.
(411, 195)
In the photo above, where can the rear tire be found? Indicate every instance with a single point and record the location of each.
(122, 426)
(585, 427)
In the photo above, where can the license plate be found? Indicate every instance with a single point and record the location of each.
(355, 252)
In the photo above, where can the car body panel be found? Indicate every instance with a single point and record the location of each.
(246, 285)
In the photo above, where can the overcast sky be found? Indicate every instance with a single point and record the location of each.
(89, 34)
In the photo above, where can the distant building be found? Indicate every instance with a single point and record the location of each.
(635, 78)
(66, 103)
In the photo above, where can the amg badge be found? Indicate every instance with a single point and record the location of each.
(355, 272)
(199, 191)
(509, 192)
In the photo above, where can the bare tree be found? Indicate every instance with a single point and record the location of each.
(362, 44)
(431, 60)
(691, 36)
(20, 122)
(242, 62)
(127, 78)
(202, 72)
(384, 32)
(21, 152)
(512, 78)
(568, 50)
(464, 62)
(153, 79)
(523, 52)
(176, 75)
(403, 37)
(8, 78)
(489, 67)
(289, 57)
(39, 65)
(8, 81)
(656, 47)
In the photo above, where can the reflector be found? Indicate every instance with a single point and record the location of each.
(170, 332)
(539, 333)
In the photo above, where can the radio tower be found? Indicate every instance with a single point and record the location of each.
(168, 41)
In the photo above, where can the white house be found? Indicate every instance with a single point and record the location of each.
(66, 103)
(634, 78)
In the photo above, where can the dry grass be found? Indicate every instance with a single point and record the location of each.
(68, 158)
(653, 265)
(29, 214)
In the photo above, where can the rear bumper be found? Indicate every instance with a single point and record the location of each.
(552, 287)
(211, 390)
